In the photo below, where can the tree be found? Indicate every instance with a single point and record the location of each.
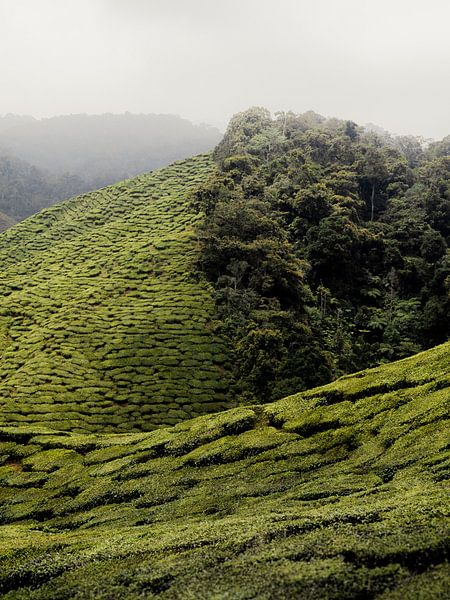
(373, 173)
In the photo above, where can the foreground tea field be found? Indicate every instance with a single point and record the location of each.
(103, 324)
(339, 492)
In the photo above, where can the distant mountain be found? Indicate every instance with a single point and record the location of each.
(42, 161)
(6, 221)
(26, 189)
(103, 149)
(9, 120)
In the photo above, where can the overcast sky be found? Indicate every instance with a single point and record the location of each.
(380, 61)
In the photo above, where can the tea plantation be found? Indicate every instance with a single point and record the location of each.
(104, 326)
(339, 492)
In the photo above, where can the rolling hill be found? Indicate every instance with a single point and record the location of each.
(147, 327)
(104, 323)
(339, 492)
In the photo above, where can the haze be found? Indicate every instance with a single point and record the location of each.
(384, 62)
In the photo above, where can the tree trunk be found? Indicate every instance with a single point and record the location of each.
(372, 202)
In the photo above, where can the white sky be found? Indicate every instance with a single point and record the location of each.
(380, 61)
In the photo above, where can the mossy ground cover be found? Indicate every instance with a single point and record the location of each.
(104, 325)
(340, 492)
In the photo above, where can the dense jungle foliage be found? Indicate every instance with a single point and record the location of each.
(327, 245)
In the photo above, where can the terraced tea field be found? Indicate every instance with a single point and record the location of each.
(103, 324)
(339, 492)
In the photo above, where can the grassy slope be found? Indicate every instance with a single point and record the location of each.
(334, 493)
(102, 327)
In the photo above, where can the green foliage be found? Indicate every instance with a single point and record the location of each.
(321, 263)
(338, 492)
(327, 247)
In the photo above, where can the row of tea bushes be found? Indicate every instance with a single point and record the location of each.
(340, 492)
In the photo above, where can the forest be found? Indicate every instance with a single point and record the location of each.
(327, 246)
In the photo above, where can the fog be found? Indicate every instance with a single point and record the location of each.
(384, 62)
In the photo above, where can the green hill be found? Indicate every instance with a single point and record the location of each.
(147, 327)
(338, 492)
(103, 324)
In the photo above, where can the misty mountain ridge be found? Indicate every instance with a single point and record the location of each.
(105, 148)
(49, 159)
(45, 160)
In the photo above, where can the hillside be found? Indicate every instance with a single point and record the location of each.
(339, 492)
(104, 324)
